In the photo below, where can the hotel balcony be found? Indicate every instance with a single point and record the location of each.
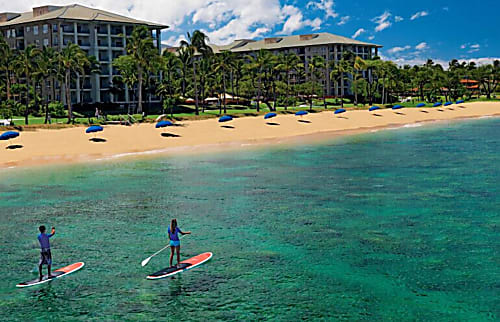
(69, 29)
(83, 29)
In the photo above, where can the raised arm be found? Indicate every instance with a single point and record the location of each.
(52, 233)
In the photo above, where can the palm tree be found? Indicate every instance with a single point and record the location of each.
(127, 68)
(90, 66)
(141, 48)
(338, 73)
(6, 58)
(25, 64)
(185, 59)
(196, 43)
(358, 66)
(170, 66)
(223, 66)
(317, 70)
(289, 63)
(70, 61)
(261, 64)
(47, 70)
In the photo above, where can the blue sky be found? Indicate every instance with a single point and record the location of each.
(410, 32)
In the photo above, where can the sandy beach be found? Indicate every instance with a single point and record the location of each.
(45, 147)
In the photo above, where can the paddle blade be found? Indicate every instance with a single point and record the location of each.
(145, 262)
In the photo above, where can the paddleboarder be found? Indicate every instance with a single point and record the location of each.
(45, 255)
(175, 243)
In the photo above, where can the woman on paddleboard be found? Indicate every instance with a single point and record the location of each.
(175, 243)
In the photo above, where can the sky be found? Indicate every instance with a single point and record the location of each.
(411, 32)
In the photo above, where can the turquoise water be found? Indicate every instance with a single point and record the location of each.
(401, 224)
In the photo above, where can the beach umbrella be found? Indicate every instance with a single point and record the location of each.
(301, 113)
(460, 101)
(163, 124)
(225, 118)
(269, 116)
(437, 104)
(340, 111)
(448, 103)
(421, 105)
(397, 107)
(9, 135)
(94, 129)
(374, 108)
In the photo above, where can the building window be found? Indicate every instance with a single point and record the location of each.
(45, 29)
(55, 41)
(8, 33)
(35, 30)
(13, 33)
(46, 42)
(37, 42)
(54, 27)
(28, 29)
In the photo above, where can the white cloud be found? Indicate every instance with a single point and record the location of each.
(295, 20)
(471, 48)
(422, 46)
(419, 15)
(324, 5)
(398, 18)
(343, 20)
(358, 33)
(463, 46)
(395, 50)
(371, 37)
(382, 21)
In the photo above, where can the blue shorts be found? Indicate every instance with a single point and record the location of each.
(175, 243)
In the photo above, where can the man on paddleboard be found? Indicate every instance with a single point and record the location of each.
(175, 243)
(45, 255)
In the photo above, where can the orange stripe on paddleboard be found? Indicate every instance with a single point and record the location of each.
(197, 259)
(70, 268)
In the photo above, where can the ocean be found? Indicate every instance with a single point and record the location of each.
(400, 224)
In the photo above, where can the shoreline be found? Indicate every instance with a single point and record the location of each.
(72, 145)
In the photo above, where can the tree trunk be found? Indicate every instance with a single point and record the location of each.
(259, 94)
(68, 95)
(224, 94)
(287, 89)
(139, 80)
(26, 113)
(197, 112)
(7, 82)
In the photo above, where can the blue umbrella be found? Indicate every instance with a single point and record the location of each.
(421, 105)
(460, 101)
(225, 118)
(448, 103)
(94, 129)
(374, 108)
(269, 116)
(397, 107)
(9, 135)
(163, 124)
(437, 104)
(301, 113)
(339, 111)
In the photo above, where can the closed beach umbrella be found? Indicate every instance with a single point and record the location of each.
(421, 105)
(225, 118)
(397, 107)
(269, 116)
(448, 103)
(94, 129)
(374, 108)
(163, 124)
(340, 111)
(301, 113)
(9, 135)
(437, 104)
(460, 101)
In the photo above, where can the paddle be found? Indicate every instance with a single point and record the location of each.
(146, 261)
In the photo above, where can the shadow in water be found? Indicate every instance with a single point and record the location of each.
(98, 140)
(227, 126)
(374, 114)
(399, 113)
(304, 121)
(14, 147)
(272, 123)
(424, 111)
(170, 135)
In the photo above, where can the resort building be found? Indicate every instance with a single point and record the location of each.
(327, 45)
(99, 33)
